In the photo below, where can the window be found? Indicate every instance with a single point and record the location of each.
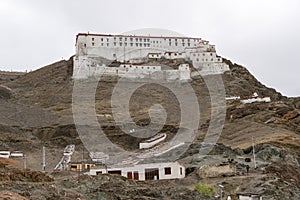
(167, 170)
(141, 44)
(131, 39)
(211, 54)
(125, 39)
(107, 44)
(145, 40)
(84, 45)
(141, 39)
(98, 172)
(101, 40)
(120, 43)
(170, 44)
(137, 44)
(131, 44)
(125, 44)
(115, 172)
(93, 39)
(120, 38)
(101, 44)
(115, 43)
(189, 44)
(136, 39)
(180, 170)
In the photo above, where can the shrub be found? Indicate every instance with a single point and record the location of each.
(204, 189)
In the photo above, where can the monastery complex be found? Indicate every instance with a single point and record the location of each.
(132, 51)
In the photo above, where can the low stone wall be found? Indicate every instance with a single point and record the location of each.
(210, 171)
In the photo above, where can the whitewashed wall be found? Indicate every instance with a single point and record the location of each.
(140, 168)
(126, 48)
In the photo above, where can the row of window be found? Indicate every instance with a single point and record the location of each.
(137, 44)
(194, 54)
(207, 59)
(146, 39)
(137, 67)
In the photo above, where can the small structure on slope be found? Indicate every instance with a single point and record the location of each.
(66, 159)
(151, 171)
(255, 98)
(152, 141)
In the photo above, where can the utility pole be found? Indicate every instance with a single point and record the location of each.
(221, 189)
(25, 161)
(44, 159)
(253, 149)
(124, 51)
(82, 156)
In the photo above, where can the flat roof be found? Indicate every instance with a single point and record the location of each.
(136, 36)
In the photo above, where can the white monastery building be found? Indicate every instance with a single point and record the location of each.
(151, 171)
(127, 48)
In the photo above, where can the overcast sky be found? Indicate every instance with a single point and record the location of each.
(263, 35)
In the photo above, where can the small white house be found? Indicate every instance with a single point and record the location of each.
(152, 171)
(255, 98)
(154, 55)
(232, 98)
(4, 154)
(16, 154)
(152, 141)
(249, 196)
(174, 55)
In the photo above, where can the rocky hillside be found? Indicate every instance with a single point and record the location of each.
(36, 110)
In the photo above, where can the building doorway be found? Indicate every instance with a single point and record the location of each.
(129, 175)
(136, 175)
(152, 174)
